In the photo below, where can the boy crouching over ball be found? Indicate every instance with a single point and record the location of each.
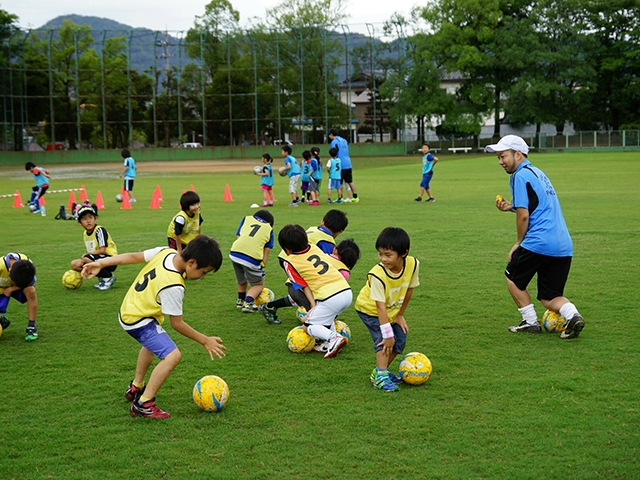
(158, 290)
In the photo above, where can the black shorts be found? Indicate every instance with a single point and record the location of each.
(552, 272)
(173, 244)
(106, 271)
(128, 184)
(347, 176)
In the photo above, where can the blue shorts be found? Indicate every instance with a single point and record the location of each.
(153, 337)
(426, 179)
(4, 300)
(335, 184)
(373, 324)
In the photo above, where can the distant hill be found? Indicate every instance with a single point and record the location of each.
(149, 46)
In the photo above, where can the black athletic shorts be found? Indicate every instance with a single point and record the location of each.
(552, 272)
(347, 176)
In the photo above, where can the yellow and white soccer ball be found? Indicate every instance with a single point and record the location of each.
(415, 368)
(211, 393)
(343, 329)
(71, 279)
(553, 323)
(299, 341)
(301, 313)
(265, 296)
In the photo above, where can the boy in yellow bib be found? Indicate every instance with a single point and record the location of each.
(383, 300)
(186, 224)
(99, 244)
(158, 290)
(328, 293)
(17, 279)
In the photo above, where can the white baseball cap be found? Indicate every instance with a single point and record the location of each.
(509, 142)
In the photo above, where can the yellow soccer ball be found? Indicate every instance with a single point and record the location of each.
(265, 296)
(415, 368)
(299, 341)
(71, 279)
(553, 323)
(0, 330)
(343, 329)
(211, 393)
(301, 313)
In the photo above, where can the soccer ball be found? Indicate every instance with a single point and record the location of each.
(257, 169)
(299, 341)
(415, 368)
(343, 329)
(553, 323)
(211, 393)
(301, 313)
(282, 171)
(71, 279)
(265, 296)
(119, 198)
(33, 207)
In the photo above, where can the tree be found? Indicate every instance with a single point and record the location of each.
(8, 30)
(488, 42)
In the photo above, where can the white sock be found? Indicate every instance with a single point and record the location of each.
(529, 314)
(319, 331)
(568, 310)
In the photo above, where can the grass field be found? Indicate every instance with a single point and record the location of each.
(498, 405)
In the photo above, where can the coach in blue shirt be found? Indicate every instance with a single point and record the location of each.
(544, 245)
(342, 146)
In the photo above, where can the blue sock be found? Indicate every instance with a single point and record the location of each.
(248, 299)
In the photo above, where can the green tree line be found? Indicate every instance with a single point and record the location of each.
(521, 62)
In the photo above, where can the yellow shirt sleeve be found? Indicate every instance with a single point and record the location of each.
(377, 290)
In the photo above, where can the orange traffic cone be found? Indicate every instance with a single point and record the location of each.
(155, 200)
(83, 194)
(72, 200)
(126, 205)
(17, 201)
(41, 201)
(158, 193)
(227, 194)
(191, 188)
(100, 202)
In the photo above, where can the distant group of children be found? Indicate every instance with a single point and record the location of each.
(308, 174)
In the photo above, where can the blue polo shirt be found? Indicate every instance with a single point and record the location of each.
(343, 151)
(547, 233)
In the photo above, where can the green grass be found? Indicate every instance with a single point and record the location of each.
(498, 405)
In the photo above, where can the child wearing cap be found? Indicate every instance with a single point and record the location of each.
(98, 244)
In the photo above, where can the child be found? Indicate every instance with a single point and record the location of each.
(17, 279)
(335, 178)
(383, 300)
(316, 176)
(428, 162)
(293, 172)
(42, 177)
(187, 223)
(98, 244)
(305, 177)
(343, 258)
(158, 290)
(333, 224)
(129, 173)
(266, 180)
(249, 255)
(324, 287)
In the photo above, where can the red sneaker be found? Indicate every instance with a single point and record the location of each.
(147, 409)
(132, 392)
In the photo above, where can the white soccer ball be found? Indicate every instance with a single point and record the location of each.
(118, 198)
(257, 169)
(33, 207)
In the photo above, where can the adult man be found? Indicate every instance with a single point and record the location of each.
(543, 246)
(345, 160)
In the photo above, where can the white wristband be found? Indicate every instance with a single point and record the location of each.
(387, 330)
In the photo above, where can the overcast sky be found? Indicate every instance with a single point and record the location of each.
(180, 14)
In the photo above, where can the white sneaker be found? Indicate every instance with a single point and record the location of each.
(321, 347)
(133, 200)
(43, 211)
(106, 283)
(346, 200)
(335, 346)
